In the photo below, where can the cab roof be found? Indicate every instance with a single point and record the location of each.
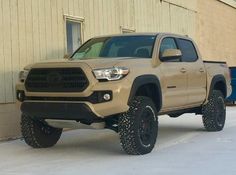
(143, 34)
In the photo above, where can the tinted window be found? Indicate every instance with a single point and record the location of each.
(117, 46)
(188, 50)
(167, 43)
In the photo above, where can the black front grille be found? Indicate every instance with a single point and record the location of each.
(56, 80)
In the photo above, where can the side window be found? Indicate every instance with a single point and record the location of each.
(73, 35)
(188, 50)
(167, 43)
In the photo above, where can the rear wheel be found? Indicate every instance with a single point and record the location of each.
(38, 134)
(138, 128)
(214, 112)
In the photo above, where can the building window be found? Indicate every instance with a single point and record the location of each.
(126, 30)
(74, 33)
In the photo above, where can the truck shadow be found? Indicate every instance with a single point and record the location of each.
(106, 142)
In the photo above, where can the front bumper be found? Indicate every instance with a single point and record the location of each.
(118, 103)
(51, 110)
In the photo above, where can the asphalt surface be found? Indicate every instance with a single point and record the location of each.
(183, 147)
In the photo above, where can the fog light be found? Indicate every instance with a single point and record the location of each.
(20, 95)
(107, 97)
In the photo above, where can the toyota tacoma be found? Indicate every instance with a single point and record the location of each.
(122, 83)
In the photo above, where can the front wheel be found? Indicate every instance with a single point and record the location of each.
(138, 128)
(38, 134)
(214, 112)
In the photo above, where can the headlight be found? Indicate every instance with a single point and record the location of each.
(22, 75)
(111, 74)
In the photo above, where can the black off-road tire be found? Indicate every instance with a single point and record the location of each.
(138, 127)
(38, 134)
(214, 112)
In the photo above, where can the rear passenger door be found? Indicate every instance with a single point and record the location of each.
(174, 78)
(196, 74)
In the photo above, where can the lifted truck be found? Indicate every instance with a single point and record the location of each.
(122, 82)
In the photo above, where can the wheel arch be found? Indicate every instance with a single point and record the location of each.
(218, 82)
(145, 85)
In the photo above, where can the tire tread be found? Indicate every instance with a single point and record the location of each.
(127, 127)
(28, 128)
(209, 119)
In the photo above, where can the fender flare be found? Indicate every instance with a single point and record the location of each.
(216, 79)
(143, 80)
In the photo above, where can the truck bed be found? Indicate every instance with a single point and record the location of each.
(214, 68)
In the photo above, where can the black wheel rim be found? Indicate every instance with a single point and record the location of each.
(44, 128)
(146, 126)
(47, 130)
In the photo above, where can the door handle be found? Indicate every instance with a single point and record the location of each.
(183, 70)
(201, 70)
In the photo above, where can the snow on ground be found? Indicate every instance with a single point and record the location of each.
(183, 147)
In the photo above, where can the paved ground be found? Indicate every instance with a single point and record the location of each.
(183, 147)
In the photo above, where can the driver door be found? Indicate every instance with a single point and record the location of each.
(174, 78)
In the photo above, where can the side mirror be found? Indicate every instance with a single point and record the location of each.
(171, 55)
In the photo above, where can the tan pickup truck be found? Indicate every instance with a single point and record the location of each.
(122, 82)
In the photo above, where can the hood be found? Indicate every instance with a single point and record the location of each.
(94, 63)
(45, 62)
(98, 63)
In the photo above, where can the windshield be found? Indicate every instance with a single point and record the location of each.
(118, 46)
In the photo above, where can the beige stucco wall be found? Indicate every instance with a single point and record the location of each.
(216, 30)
